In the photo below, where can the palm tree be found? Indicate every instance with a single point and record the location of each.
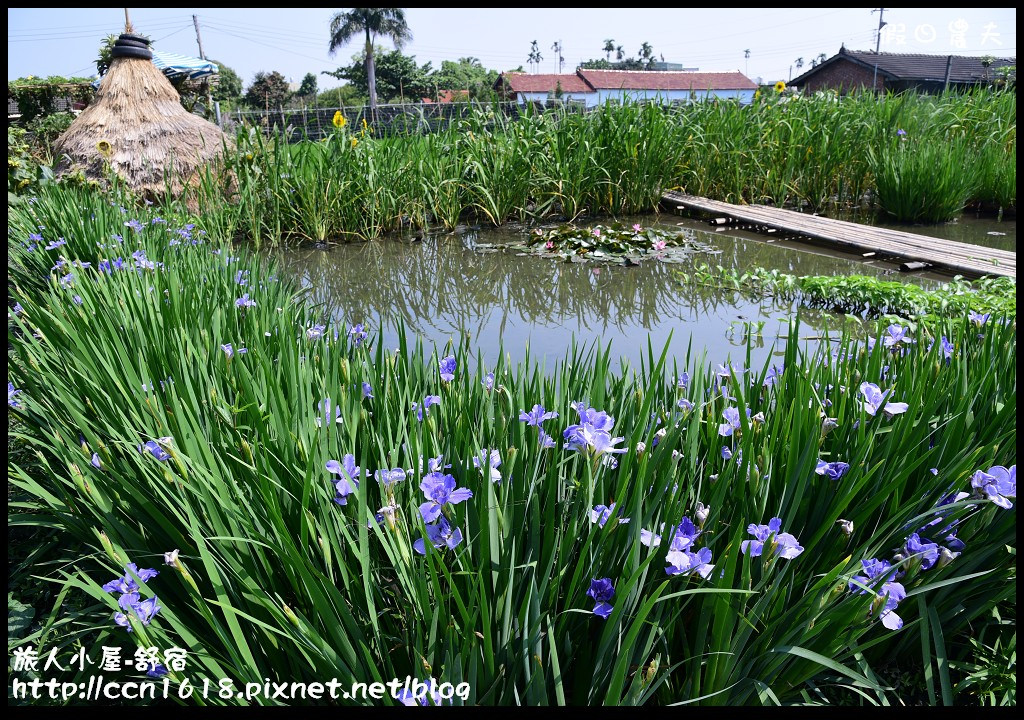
(619, 53)
(647, 53)
(534, 57)
(746, 56)
(609, 48)
(799, 63)
(389, 22)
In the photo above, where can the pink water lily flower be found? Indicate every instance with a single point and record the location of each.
(636, 227)
(659, 245)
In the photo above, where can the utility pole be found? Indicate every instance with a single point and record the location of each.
(206, 82)
(878, 44)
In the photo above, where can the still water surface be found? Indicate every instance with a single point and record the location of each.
(442, 288)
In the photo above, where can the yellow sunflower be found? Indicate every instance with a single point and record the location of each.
(780, 86)
(105, 148)
(339, 120)
(354, 142)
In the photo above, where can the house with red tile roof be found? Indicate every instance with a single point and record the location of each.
(595, 87)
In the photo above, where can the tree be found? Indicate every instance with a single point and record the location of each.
(228, 87)
(619, 52)
(534, 57)
(557, 47)
(308, 87)
(468, 75)
(397, 77)
(268, 90)
(647, 55)
(346, 95)
(371, 22)
(799, 63)
(609, 48)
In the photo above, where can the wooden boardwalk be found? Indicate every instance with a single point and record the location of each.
(960, 258)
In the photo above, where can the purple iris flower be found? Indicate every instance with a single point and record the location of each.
(12, 392)
(390, 477)
(440, 534)
(890, 594)
(440, 490)
(726, 372)
(316, 332)
(324, 408)
(832, 470)
(18, 309)
(491, 459)
(409, 699)
(144, 610)
(726, 453)
(126, 583)
(928, 551)
(242, 277)
(602, 591)
(785, 545)
(35, 237)
(997, 484)
(348, 477)
(367, 391)
(684, 405)
(600, 420)
(231, 352)
(156, 670)
(977, 318)
(545, 440)
(56, 244)
(155, 450)
(946, 346)
(357, 334)
(447, 368)
(135, 225)
(894, 336)
(685, 562)
(875, 400)
(601, 514)
(488, 381)
(773, 375)
(245, 301)
(536, 416)
(95, 461)
(683, 381)
(420, 410)
(732, 422)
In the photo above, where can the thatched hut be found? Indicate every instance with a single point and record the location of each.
(137, 127)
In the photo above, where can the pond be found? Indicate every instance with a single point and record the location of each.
(441, 287)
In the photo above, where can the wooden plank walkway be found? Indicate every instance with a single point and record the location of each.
(960, 258)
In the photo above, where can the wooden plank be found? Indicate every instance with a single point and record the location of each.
(964, 258)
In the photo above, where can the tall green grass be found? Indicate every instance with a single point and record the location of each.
(277, 581)
(822, 152)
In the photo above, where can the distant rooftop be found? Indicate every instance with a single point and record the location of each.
(914, 66)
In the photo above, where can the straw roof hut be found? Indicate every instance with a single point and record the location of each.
(137, 126)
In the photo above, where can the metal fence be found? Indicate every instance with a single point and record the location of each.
(315, 123)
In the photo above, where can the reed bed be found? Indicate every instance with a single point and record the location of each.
(189, 408)
(917, 158)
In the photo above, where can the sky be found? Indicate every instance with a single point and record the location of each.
(294, 41)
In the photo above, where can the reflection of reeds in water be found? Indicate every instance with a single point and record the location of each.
(440, 283)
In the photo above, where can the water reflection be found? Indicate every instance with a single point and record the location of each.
(441, 287)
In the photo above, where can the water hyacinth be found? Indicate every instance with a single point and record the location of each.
(348, 477)
(491, 461)
(602, 591)
(440, 491)
(832, 470)
(446, 366)
(782, 544)
(997, 484)
(874, 400)
(440, 534)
